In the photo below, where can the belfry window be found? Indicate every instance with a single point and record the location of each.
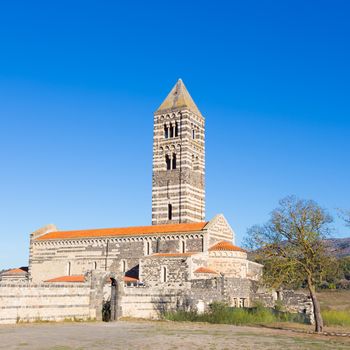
(168, 162)
(174, 161)
(170, 212)
(166, 132)
(171, 131)
(176, 130)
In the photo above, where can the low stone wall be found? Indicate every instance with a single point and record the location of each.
(290, 300)
(27, 302)
(148, 303)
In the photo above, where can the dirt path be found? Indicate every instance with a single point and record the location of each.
(157, 335)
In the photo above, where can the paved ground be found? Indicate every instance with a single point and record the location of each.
(157, 335)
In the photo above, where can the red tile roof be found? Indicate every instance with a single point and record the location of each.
(130, 279)
(18, 271)
(125, 231)
(225, 246)
(81, 278)
(77, 278)
(205, 270)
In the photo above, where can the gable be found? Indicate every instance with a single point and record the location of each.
(219, 230)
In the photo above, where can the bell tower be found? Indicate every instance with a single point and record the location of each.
(178, 182)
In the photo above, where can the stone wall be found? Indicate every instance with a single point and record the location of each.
(254, 270)
(150, 301)
(290, 300)
(147, 302)
(177, 271)
(28, 302)
(230, 266)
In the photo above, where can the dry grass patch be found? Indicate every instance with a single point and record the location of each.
(334, 300)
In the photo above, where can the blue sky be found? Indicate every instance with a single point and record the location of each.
(80, 80)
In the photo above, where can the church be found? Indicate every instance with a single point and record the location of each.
(180, 261)
(180, 245)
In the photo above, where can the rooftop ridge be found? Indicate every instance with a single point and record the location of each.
(225, 246)
(124, 231)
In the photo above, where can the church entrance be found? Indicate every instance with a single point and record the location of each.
(110, 301)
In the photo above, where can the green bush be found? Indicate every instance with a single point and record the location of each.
(222, 314)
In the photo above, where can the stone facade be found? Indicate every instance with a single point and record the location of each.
(61, 257)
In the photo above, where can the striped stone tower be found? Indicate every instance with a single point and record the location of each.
(178, 189)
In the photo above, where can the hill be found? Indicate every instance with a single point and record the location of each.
(338, 247)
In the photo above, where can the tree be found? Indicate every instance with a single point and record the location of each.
(345, 215)
(291, 247)
(345, 267)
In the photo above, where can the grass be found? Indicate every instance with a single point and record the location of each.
(336, 318)
(221, 314)
(334, 300)
(335, 306)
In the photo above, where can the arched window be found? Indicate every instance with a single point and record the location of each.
(176, 129)
(183, 247)
(69, 266)
(171, 130)
(94, 265)
(174, 161)
(166, 131)
(193, 134)
(148, 248)
(170, 212)
(168, 162)
(164, 274)
(123, 266)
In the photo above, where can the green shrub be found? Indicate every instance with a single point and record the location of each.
(182, 316)
(222, 314)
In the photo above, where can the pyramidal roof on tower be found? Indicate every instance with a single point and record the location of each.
(178, 98)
